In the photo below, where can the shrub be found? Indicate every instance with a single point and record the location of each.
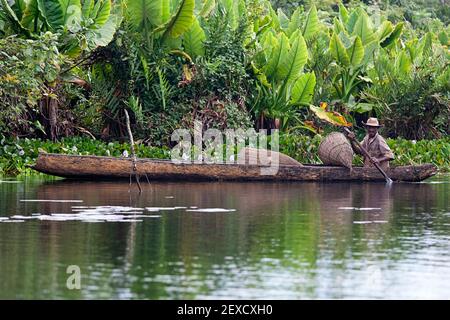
(26, 66)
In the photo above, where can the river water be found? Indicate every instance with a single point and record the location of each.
(225, 240)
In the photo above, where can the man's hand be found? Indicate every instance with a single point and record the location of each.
(375, 161)
(351, 136)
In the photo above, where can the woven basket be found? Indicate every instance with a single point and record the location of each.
(336, 150)
(251, 157)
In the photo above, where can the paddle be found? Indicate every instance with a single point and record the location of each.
(366, 154)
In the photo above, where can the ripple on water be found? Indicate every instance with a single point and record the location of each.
(156, 209)
(358, 209)
(51, 200)
(95, 214)
(370, 221)
(92, 214)
(211, 210)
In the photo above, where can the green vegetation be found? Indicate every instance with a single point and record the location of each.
(17, 154)
(305, 150)
(70, 68)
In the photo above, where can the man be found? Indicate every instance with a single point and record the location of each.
(374, 144)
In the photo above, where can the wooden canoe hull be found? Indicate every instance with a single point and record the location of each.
(105, 168)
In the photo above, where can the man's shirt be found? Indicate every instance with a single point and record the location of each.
(377, 148)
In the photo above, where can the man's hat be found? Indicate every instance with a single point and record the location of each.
(372, 122)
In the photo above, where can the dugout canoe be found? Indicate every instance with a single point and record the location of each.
(109, 168)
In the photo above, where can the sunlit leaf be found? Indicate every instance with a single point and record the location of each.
(193, 40)
(350, 24)
(364, 30)
(103, 13)
(338, 50)
(393, 36)
(208, 6)
(403, 63)
(331, 117)
(385, 30)
(182, 20)
(280, 49)
(283, 19)
(142, 14)
(343, 13)
(294, 23)
(293, 61)
(311, 25)
(356, 52)
(302, 91)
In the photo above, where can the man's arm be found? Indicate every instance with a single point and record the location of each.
(386, 152)
(356, 148)
(351, 136)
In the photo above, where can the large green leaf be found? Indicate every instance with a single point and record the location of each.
(338, 27)
(19, 8)
(311, 25)
(350, 24)
(283, 19)
(338, 50)
(281, 47)
(165, 10)
(101, 14)
(31, 16)
(413, 49)
(393, 36)
(260, 76)
(181, 21)
(343, 13)
(294, 23)
(52, 12)
(364, 30)
(403, 63)
(208, 6)
(385, 30)
(86, 8)
(145, 14)
(60, 13)
(232, 12)
(104, 35)
(274, 17)
(369, 50)
(426, 44)
(302, 91)
(346, 40)
(72, 12)
(293, 61)
(193, 40)
(356, 52)
(10, 15)
(268, 44)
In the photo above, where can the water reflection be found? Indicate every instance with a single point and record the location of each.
(295, 240)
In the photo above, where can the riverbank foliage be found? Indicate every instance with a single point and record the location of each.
(17, 154)
(71, 68)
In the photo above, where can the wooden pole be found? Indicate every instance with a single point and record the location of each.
(133, 153)
(366, 154)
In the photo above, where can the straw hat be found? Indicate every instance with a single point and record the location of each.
(372, 122)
